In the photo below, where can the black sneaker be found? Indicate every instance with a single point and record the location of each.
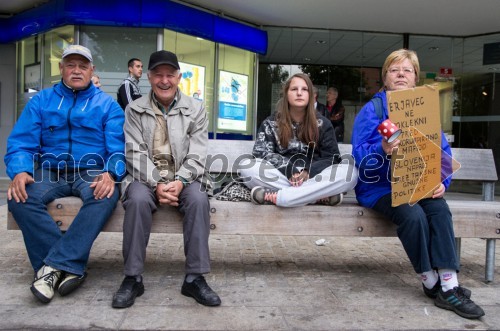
(456, 300)
(433, 292)
(263, 195)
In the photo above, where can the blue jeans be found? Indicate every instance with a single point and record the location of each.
(426, 232)
(44, 241)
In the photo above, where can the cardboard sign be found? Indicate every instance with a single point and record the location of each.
(416, 166)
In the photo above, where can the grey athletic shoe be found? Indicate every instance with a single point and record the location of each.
(263, 195)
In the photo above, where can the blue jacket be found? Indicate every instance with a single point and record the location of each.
(62, 128)
(374, 177)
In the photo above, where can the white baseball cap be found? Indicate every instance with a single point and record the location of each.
(78, 49)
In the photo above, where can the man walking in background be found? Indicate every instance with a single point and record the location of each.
(129, 89)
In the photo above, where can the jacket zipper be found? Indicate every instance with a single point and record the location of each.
(70, 151)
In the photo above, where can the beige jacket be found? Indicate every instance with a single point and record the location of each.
(187, 124)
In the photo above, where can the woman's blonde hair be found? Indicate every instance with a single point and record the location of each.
(308, 131)
(398, 56)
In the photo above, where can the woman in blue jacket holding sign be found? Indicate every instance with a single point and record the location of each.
(425, 228)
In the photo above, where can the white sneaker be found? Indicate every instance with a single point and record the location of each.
(45, 282)
(332, 201)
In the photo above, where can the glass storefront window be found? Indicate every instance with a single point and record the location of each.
(234, 110)
(476, 115)
(197, 60)
(113, 47)
(29, 79)
(55, 42)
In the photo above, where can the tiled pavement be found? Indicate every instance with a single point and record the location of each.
(265, 283)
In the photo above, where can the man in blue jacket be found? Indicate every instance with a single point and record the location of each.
(68, 141)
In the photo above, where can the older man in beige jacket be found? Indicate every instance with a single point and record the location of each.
(166, 147)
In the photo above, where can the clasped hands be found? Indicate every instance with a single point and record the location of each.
(299, 178)
(168, 193)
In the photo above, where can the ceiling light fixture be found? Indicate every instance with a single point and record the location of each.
(434, 48)
(307, 59)
(321, 42)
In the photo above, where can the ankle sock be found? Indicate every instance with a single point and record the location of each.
(191, 277)
(449, 279)
(429, 278)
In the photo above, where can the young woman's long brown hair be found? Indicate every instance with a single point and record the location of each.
(308, 130)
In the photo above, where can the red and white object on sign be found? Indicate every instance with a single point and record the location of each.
(389, 130)
(445, 72)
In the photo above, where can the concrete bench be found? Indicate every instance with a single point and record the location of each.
(478, 218)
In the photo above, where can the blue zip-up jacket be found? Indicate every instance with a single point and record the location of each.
(374, 176)
(62, 128)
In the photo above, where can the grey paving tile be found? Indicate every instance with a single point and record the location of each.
(265, 283)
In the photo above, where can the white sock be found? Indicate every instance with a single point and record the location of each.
(449, 279)
(429, 278)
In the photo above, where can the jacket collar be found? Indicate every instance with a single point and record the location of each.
(67, 91)
(160, 106)
(133, 79)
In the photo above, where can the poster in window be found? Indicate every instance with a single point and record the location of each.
(32, 78)
(233, 101)
(193, 80)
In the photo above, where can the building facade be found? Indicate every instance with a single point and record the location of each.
(237, 69)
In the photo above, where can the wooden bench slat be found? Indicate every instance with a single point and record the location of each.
(472, 219)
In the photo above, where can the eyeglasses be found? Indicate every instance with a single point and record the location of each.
(395, 70)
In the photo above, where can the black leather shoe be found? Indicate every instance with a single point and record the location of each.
(128, 291)
(201, 292)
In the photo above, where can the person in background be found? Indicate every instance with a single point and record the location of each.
(129, 90)
(335, 112)
(297, 157)
(167, 137)
(73, 132)
(321, 108)
(426, 228)
(96, 80)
